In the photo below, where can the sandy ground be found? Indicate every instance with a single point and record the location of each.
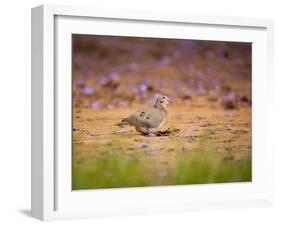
(228, 132)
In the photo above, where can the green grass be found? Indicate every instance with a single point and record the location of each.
(111, 172)
(199, 166)
(202, 168)
(204, 165)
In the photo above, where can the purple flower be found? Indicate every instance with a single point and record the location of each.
(143, 95)
(217, 88)
(200, 89)
(143, 87)
(114, 75)
(176, 84)
(88, 91)
(96, 105)
(122, 103)
(88, 72)
(155, 96)
(229, 101)
(103, 80)
(165, 61)
(229, 97)
(171, 99)
(134, 66)
(190, 82)
(213, 82)
(80, 82)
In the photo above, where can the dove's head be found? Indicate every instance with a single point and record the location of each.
(162, 101)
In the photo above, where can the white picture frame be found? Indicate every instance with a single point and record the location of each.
(52, 197)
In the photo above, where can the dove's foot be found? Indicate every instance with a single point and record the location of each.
(168, 132)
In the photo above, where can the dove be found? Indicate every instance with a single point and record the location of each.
(149, 119)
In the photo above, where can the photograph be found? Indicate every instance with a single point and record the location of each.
(152, 111)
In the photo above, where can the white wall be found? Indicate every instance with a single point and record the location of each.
(15, 112)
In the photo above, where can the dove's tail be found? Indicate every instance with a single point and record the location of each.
(123, 122)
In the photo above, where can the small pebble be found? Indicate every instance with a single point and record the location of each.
(120, 131)
(244, 99)
(231, 115)
(93, 134)
(187, 96)
(162, 174)
(203, 124)
(109, 107)
(75, 129)
(143, 145)
(150, 153)
(191, 137)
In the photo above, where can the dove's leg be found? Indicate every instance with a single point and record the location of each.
(143, 130)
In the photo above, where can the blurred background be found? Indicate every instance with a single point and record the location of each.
(113, 72)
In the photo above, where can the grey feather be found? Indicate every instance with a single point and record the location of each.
(148, 119)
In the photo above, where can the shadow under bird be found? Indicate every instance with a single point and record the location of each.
(149, 119)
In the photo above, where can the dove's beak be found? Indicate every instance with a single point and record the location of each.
(169, 100)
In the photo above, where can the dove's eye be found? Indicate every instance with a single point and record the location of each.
(161, 102)
(163, 97)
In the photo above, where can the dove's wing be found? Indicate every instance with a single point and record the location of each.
(148, 117)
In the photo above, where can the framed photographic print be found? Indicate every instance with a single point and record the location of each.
(137, 112)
